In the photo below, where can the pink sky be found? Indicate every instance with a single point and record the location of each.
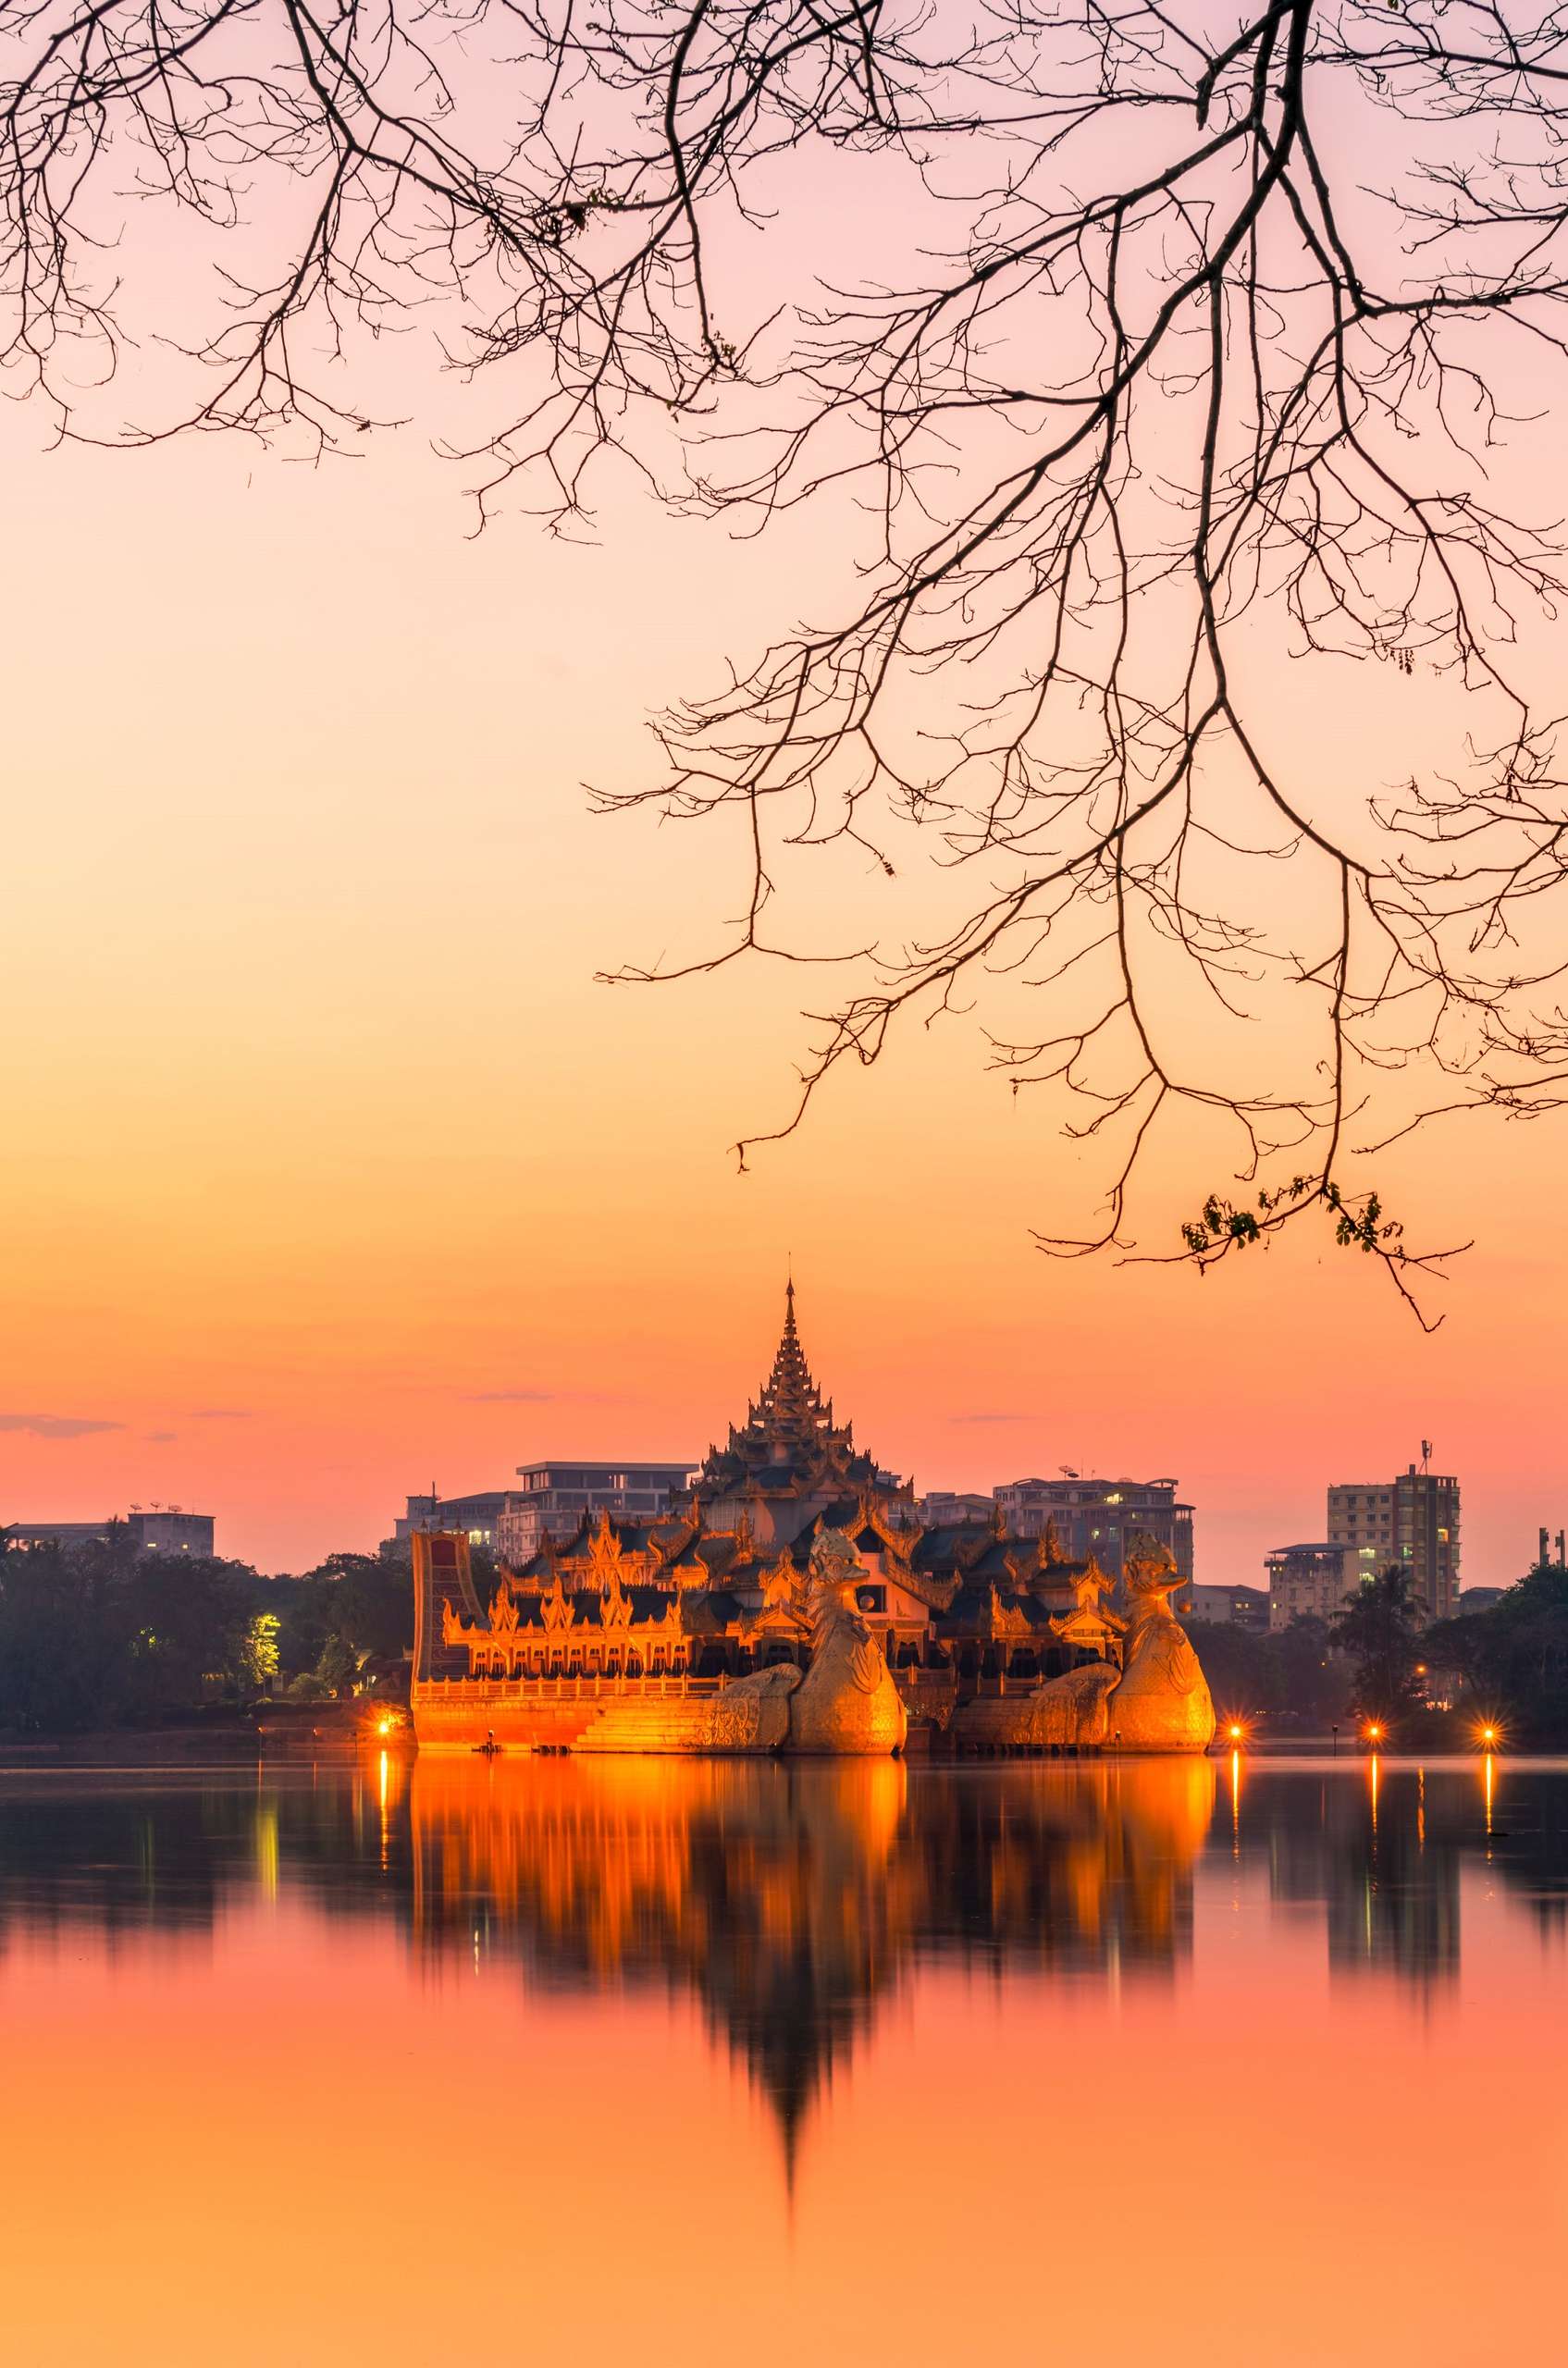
(333, 1170)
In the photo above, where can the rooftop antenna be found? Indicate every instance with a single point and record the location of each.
(1425, 1453)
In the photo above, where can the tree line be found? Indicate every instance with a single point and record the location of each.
(1375, 1662)
(102, 1633)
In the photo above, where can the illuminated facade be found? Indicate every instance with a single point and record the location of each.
(645, 1615)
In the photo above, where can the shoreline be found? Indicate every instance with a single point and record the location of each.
(341, 1740)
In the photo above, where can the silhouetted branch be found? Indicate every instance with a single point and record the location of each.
(1208, 341)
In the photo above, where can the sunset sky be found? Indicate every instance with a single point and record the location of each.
(334, 1171)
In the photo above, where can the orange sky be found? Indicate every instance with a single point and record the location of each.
(332, 1169)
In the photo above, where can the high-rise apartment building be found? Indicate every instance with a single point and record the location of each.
(1411, 1520)
(1099, 1517)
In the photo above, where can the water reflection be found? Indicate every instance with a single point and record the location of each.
(790, 1902)
(550, 2034)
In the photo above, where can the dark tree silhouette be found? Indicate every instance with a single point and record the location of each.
(1510, 1662)
(1377, 1629)
(1194, 339)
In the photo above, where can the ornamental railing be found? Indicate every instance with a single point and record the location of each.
(574, 1688)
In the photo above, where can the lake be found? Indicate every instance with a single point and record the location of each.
(649, 2061)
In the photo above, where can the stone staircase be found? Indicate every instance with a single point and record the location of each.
(993, 1723)
(671, 1723)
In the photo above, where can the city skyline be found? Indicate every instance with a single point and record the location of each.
(1222, 1528)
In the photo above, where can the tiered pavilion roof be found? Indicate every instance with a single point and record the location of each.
(789, 1445)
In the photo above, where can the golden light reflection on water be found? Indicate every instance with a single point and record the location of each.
(644, 2060)
(1236, 1803)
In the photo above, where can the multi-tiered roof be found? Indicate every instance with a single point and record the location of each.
(789, 1444)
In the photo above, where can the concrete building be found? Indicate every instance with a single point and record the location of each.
(1411, 1521)
(1309, 1582)
(164, 1529)
(64, 1534)
(156, 1529)
(943, 1505)
(1227, 1607)
(478, 1514)
(555, 1493)
(1097, 1517)
(551, 1499)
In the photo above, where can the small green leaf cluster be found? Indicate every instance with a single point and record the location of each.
(1224, 1225)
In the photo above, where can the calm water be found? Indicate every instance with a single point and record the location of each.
(649, 2063)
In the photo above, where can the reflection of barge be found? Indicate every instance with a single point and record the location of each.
(792, 1901)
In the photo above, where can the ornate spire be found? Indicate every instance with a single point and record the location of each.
(789, 1438)
(790, 1397)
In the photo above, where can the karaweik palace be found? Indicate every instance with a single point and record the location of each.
(717, 1589)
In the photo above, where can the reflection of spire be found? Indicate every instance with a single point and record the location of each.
(790, 1899)
(790, 2030)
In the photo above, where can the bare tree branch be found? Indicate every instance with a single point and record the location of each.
(1211, 340)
